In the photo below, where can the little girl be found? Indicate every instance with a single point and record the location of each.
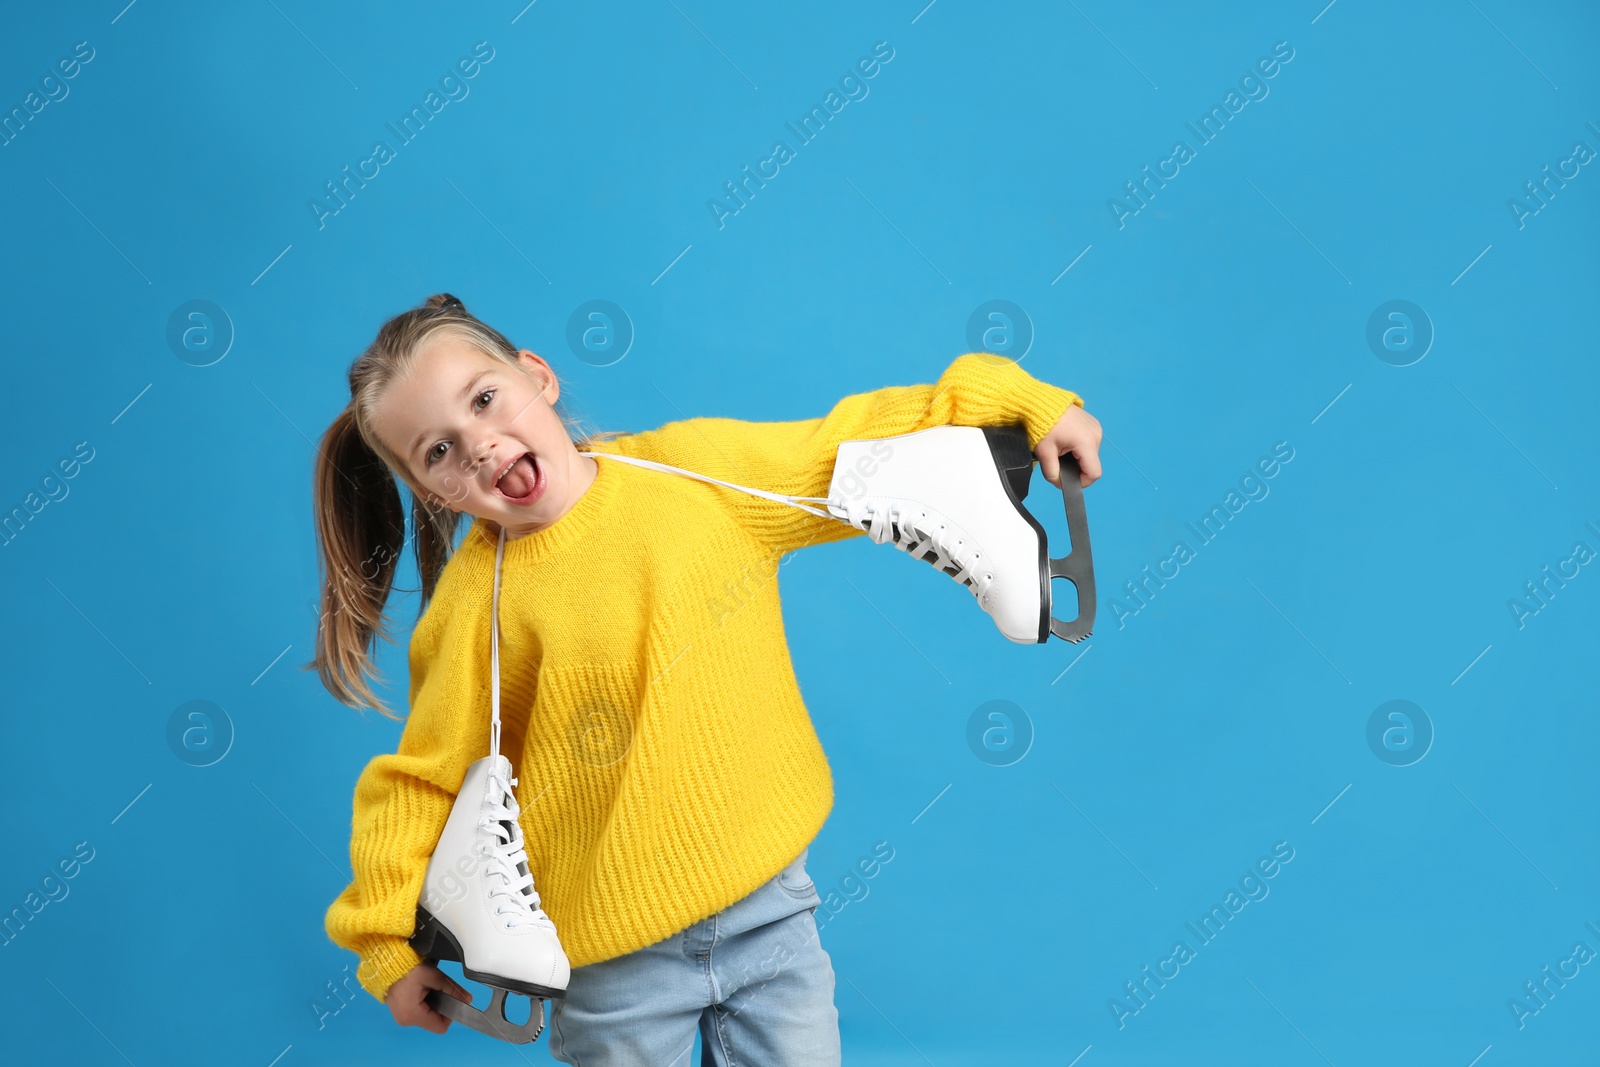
(669, 776)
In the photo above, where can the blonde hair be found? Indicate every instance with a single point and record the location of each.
(360, 520)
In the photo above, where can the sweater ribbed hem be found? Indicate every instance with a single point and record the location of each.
(384, 961)
(1039, 404)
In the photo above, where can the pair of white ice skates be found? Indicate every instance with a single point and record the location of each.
(949, 495)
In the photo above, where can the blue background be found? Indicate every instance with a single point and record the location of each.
(1228, 314)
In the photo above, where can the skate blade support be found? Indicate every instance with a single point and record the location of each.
(433, 942)
(1077, 566)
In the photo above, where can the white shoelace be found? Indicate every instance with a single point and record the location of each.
(514, 896)
(882, 521)
(792, 501)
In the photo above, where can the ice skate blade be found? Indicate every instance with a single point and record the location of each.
(1077, 566)
(495, 1024)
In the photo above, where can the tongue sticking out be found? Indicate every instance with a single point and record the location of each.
(518, 481)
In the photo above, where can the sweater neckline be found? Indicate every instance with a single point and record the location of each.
(579, 520)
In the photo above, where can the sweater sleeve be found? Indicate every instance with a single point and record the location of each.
(402, 800)
(797, 458)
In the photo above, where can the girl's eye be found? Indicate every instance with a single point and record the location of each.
(433, 453)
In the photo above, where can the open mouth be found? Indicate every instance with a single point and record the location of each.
(522, 480)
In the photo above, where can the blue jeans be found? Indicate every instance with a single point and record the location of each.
(753, 978)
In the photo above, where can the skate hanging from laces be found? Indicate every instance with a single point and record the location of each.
(952, 497)
(478, 905)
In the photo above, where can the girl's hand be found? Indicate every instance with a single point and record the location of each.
(1078, 432)
(405, 997)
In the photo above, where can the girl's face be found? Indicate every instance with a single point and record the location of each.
(480, 436)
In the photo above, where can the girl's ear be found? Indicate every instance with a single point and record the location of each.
(544, 378)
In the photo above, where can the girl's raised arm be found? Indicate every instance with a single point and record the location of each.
(797, 458)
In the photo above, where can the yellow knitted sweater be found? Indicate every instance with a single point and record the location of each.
(667, 765)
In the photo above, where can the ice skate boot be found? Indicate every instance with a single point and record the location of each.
(479, 908)
(478, 905)
(952, 496)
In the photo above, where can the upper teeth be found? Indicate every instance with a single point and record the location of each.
(507, 468)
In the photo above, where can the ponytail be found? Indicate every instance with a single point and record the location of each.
(361, 529)
(435, 528)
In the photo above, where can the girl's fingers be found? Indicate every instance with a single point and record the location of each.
(434, 1019)
(1049, 462)
(1050, 452)
(1089, 461)
(446, 984)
